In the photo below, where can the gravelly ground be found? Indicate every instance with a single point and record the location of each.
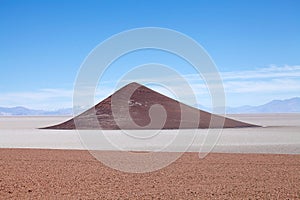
(74, 174)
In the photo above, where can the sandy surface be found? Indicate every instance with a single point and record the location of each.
(281, 136)
(270, 119)
(74, 174)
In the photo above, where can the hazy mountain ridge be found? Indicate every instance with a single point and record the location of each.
(276, 106)
(23, 111)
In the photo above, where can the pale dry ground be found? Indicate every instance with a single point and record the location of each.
(278, 119)
(74, 174)
(280, 136)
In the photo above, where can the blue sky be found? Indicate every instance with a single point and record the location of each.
(255, 45)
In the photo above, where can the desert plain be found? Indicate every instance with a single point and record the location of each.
(244, 163)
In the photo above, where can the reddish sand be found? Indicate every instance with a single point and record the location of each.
(69, 174)
(132, 103)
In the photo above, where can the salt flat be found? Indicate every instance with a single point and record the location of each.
(280, 134)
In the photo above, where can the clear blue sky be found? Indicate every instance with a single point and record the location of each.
(43, 43)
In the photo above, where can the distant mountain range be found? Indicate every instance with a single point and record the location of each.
(22, 111)
(276, 106)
